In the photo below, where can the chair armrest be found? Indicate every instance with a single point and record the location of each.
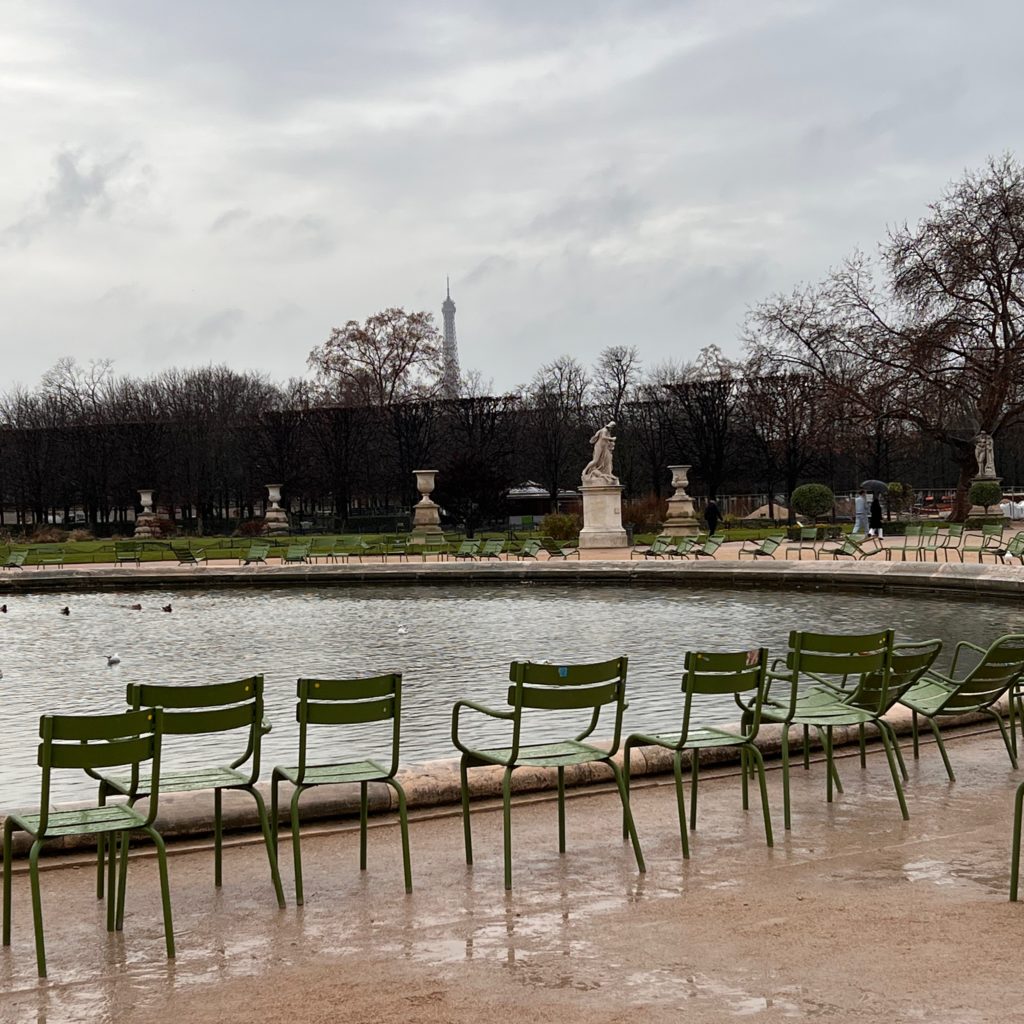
(959, 647)
(474, 706)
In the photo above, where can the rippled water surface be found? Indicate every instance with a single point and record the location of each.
(449, 642)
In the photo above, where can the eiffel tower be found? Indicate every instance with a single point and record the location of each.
(450, 376)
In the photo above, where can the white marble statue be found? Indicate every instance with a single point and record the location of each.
(984, 452)
(599, 469)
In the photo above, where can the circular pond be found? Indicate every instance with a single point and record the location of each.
(449, 642)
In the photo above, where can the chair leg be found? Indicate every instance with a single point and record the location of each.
(1018, 808)
(275, 781)
(403, 821)
(112, 882)
(1006, 739)
(8, 859)
(744, 776)
(942, 749)
(827, 741)
(561, 809)
(122, 881)
(363, 812)
(624, 797)
(755, 755)
(913, 731)
(894, 740)
(297, 844)
(101, 843)
(37, 906)
(863, 747)
(218, 837)
(467, 833)
(506, 799)
(268, 841)
(894, 771)
(785, 778)
(627, 750)
(677, 769)
(165, 888)
(694, 783)
(807, 749)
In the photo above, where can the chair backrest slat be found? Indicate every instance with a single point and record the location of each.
(349, 712)
(205, 696)
(99, 755)
(567, 675)
(72, 728)
(194, 723)
(347, 689)
(566, 698)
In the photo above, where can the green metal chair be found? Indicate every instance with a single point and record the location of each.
(807, 540)
(814, 658)
(492, 549)
(719, 675)
(911, 544)
(910, 661)
(529, 549)
(468, 549)
(296, 553)
(127, 551)
(952, 540)
(1014, 549)
(201, 711)
(90, 743)
(660, 547)
(684, 545)
(762, 549)
(556, 549)
(344, 702)
(189, 555)
(15, 560)
(588, 687)
(257, 554)
(705, 549)
(942, 696)
(853, 546)
(931, 541)
(990, 541)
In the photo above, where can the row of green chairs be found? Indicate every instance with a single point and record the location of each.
(668, 547)
(131, 742)
(824, 682)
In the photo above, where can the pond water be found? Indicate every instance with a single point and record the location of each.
(448, 642)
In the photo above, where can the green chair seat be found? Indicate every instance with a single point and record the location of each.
(540, 755)
(189, 780)
(704, 738)
(333, 774)
(85, 821)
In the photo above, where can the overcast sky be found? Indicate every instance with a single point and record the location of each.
(194, 182)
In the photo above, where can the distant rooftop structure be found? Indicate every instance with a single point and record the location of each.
(451, 378)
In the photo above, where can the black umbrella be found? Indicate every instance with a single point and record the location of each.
(875, 486)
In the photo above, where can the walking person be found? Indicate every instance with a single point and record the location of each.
(875, 518)
(860, 513)
(711, 515)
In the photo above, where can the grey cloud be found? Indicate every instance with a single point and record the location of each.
(80, 185)
(230, 218)
(218, 326)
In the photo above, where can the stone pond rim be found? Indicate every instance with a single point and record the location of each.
(986, 580)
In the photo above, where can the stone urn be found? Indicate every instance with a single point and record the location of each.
(145, 520)
(681, 520)
(426, 513)
(276, 519)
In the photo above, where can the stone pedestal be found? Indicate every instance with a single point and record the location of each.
(275, 522)
(145, 519)
(602, 517)
(681, 519)
(426, 514)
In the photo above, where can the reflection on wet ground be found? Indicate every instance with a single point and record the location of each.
(855, 915)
